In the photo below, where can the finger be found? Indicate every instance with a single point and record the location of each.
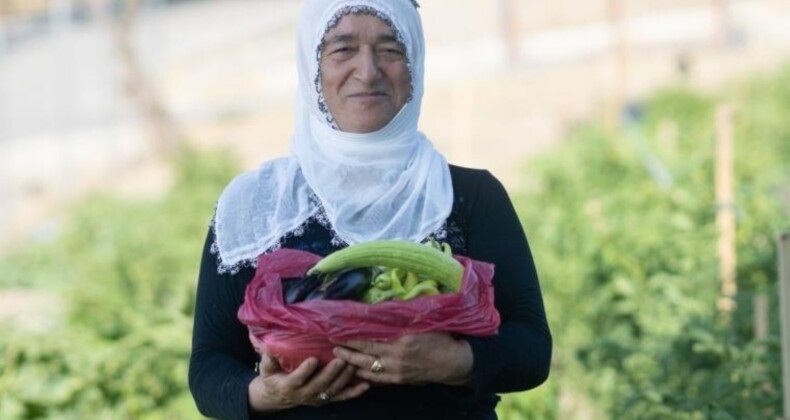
(370, 347)
(342, 379)
(361, 360)
(302, 373)
(352, 392)
(321, 380)
(269, 365)
(381, 378)
(324, 378)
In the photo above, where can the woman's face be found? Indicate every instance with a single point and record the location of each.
(364, 73)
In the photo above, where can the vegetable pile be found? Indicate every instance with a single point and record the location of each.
(293, 332)
(378, 271)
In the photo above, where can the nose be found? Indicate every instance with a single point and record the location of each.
(367, 69)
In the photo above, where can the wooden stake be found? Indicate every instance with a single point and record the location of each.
(725, 200)
(761, 309)
(784, 316)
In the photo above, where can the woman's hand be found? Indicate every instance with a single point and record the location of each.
(411, 359)
(275, 390)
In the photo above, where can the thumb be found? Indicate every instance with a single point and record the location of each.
(269, 365)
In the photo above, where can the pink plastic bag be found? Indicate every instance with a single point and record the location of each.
(292, 333)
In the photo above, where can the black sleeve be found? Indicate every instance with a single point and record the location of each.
(517, 358)
(221, 365)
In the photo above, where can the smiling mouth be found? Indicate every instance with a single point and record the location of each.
(365, 95)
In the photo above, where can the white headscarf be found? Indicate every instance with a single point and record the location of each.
(389, 184)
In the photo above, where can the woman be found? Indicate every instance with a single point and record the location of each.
(359, 170)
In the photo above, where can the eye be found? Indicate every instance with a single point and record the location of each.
(342, 49)
(391, 51)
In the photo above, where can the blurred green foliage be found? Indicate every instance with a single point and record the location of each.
(127, 271)
(623, 231)
(622, 228)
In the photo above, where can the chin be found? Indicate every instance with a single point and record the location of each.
(367, 127)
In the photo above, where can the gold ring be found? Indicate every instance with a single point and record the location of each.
(324, 396)
(377, 367)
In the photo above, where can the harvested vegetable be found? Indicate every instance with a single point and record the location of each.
(297, 289)
(422, 260)
(347, 284)
(292, 333)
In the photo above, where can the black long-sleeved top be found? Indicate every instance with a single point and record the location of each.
(483, 225)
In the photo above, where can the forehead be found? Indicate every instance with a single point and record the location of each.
(360, 25)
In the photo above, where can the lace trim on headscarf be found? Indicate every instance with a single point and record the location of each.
(353, 10)
(319, 217)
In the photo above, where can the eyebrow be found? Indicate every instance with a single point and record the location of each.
(340, 38)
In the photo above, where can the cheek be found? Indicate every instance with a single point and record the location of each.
(325, 79)
(403, 84)
(329, 76)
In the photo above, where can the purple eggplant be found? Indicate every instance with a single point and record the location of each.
(297, 289)
(347, 284)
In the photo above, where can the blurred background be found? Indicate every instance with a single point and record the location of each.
(645, 143)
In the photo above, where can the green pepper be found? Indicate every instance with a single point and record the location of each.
(422, 289)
